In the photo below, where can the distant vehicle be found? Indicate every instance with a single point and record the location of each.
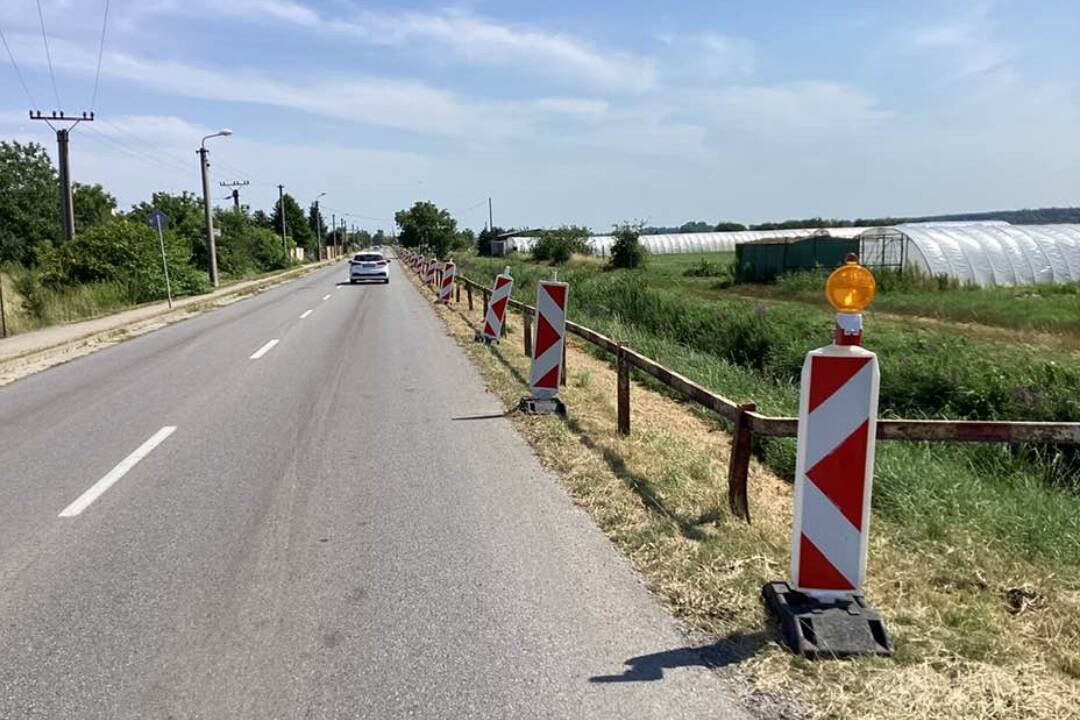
(369, 265)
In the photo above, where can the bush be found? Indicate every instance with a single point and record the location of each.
(557, 246)
(245, 248)
(627, 251)
(122, 252)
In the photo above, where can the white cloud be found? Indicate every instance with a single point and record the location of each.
(709, 56)
(794, 111)
(451, 35)
(402, 104)
(967, 44)
(133, 156)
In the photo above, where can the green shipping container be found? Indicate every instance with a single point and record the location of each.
(765, 259)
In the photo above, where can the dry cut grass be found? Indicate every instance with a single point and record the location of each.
(968, 647)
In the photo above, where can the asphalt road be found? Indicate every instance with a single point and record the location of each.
(308, 534)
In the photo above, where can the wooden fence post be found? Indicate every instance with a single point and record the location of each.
(468, 292)
(739, 465)
(458, 296)
(623, 370)
(565, 371)
(526, 324)
(486, 294)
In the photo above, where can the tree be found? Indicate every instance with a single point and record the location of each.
(483, 240)
(316, 221)
(426, 226)
(560, 244)
(627, 250)
(186, 221)
(29, 201)
(244, 247)
(464, 240)
(260, 218)
(93, 206)
(694, 226)
(296, 224)
(727, 226)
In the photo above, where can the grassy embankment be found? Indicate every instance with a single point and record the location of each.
(976, 549)
(29, 305)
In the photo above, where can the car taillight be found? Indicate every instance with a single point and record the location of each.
(383, 262)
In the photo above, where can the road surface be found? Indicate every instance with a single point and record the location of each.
(270, 511)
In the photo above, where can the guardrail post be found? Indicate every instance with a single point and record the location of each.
(468, 292)
(526, 324)
(623, 385)
(739, 465)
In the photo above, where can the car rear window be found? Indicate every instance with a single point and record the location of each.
(368, 257)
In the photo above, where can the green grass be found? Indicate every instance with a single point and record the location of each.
(1022, 501)
(1053, 308)
(29, 306)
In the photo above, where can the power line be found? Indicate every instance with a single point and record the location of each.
(157, 149)
(471, 207)
(48, 56)
(101, 51)
(137, 154)
(360, 217)
(18, 72)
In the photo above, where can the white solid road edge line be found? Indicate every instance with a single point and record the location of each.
(264, 349)
(98, 489)
(326, 297)
(306, 313)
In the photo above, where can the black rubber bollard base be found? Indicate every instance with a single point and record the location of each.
(827, 629)
(536, 406)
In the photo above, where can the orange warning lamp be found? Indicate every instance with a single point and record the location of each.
(851, 287)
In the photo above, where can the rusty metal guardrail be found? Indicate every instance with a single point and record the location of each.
(747, 422)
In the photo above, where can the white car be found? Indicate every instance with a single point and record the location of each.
(369, 265)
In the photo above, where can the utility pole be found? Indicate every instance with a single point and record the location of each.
(318, 228)
(491, 223)
(3, 315)
(235, 185)
(333, 224)
(67, 206)
(208, 211)
(281, 209)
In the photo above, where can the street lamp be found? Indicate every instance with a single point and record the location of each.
(318, 226)
(206, 202)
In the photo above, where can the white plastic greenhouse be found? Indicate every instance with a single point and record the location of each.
(714, 241)
(980, 253)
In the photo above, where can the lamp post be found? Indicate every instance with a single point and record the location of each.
(318, 226)
(207, 210)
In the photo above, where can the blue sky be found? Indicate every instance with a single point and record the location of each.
(568, 112)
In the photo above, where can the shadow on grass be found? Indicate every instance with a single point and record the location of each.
(636, 482)
(641, 486)
(731, 650)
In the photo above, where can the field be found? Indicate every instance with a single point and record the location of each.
(1051, 311)
(976, 549)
